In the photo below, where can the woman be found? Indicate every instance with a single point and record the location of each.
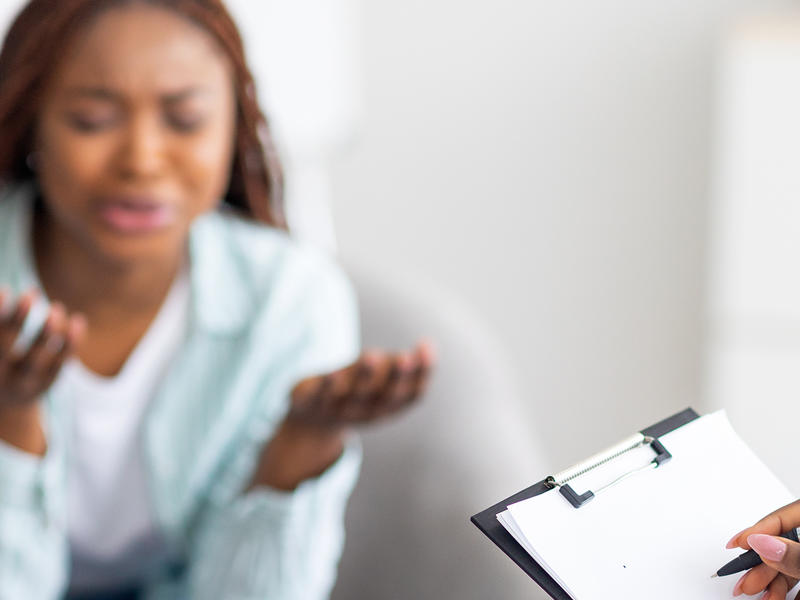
(179, 424)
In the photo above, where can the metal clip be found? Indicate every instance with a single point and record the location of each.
(561, 480)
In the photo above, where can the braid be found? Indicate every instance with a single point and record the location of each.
(257, 176)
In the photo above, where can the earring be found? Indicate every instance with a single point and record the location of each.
(32, 160)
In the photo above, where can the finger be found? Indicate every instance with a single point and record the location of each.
(779, 587)
(47, 344)
(75, 333)
(77, 330)
(427, 358)
(755, 580)
(421, 379)
(400, 388)
(6, 306)
(382, 376)
(358, 404)
(341, 386)
(779, 553)
(12, 325)
(366, 375)
(317, 397)
(376, 374)
(427, 353)
(312, 389)
(10, 328)
(775, 523)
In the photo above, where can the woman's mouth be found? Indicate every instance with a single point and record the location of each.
(136, 215)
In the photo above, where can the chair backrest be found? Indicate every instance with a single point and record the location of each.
(462, 449)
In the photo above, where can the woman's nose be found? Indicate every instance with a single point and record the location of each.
(142, 154)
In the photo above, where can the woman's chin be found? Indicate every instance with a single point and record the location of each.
(162, 245)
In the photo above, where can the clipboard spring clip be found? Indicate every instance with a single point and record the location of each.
(561, 480)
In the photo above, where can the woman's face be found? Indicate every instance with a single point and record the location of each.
(135, 136)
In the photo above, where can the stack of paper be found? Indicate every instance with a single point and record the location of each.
(660, 533)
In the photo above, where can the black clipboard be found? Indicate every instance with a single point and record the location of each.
(487, 522)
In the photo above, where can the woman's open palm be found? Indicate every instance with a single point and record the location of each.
(379, 384)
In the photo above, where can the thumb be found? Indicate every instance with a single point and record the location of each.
(777, 552)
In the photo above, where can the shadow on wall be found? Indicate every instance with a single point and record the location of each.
(462, 449)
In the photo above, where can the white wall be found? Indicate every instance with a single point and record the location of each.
(754, 333)
(550, 162)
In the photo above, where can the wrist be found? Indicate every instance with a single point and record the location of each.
(298, 451)
(302, 431)
(21, 426)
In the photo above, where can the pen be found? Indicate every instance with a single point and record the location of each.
(749, 559)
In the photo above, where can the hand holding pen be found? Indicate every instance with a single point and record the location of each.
(779, 570)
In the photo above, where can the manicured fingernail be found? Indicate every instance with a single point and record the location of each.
(732, 542)
(768, 547)
(737, 589)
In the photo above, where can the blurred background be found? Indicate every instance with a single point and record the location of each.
(593, 206)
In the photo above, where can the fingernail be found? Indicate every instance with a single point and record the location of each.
(731, 543)
(766, 596)
(737, 589)
(768, 547)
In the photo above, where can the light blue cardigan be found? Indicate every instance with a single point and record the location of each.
(265, 313)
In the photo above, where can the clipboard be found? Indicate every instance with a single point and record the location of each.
(488, 523)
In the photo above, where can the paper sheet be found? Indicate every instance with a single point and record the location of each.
(661, 533)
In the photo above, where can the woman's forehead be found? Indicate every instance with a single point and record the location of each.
(142, 49)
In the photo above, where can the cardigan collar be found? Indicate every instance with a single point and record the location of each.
(223, 301)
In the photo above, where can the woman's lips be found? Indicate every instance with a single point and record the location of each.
(136, 216)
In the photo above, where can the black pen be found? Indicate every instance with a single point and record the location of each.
(749, 559)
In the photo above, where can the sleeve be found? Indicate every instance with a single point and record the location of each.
(33, 541)
(275, 545)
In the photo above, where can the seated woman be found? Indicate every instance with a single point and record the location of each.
(179, 425)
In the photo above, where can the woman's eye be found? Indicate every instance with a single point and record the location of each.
(185, 123)
(89, 124)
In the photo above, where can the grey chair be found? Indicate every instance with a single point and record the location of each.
(466, 446)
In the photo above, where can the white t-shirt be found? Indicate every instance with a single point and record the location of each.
(113, 536)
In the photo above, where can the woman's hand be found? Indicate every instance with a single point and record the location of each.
(780, 570)
(379, 384)
(25, 376)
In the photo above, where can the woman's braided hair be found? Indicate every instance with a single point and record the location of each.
(37, 39)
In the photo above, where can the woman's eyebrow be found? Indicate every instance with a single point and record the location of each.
(102, 93)
(99, 93)
(190, 92)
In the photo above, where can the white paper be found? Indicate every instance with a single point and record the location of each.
(661, 533)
